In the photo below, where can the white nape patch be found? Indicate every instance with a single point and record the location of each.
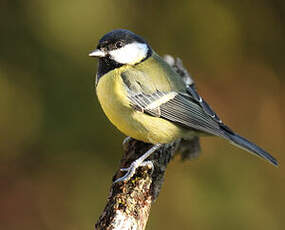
(130, 54)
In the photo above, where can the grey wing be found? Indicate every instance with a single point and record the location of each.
(190, 111)
(191, 90)
(177, 107)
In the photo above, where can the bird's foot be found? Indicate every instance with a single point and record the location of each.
(140, 162)
(130, 171)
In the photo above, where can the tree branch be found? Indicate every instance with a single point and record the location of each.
(129, 203)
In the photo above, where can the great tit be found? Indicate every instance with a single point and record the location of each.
(147, 100)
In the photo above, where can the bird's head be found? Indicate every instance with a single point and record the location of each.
(122, 47)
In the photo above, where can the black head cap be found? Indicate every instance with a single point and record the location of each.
(121, 37)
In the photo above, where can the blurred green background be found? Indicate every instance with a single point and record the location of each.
(58, 151)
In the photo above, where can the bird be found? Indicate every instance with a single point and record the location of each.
(146, 99)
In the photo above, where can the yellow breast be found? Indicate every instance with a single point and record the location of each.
(113, 99)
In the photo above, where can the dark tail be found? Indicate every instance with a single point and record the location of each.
(252, 148)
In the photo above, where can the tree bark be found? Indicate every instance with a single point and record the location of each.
(129, 202)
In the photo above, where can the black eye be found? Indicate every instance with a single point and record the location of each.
(119, 44)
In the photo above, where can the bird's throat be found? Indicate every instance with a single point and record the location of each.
(106, 65)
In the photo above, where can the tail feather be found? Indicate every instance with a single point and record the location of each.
(252, 148)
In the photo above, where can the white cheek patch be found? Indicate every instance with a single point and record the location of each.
(130, 54)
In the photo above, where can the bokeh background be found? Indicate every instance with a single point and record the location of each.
(58, 151)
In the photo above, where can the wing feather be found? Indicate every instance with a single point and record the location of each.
(177, 108)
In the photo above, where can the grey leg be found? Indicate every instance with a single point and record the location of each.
(140, 162)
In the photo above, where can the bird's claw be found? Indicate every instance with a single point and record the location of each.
(126, 142)
(130, 171)
(125, 169)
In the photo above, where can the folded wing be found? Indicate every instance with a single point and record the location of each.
(190, 111)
